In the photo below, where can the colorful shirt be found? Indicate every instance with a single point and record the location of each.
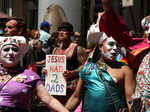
(96, 97)
(143, 83)
(18, 91)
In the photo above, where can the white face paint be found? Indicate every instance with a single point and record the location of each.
(9, 55)
(110, 49)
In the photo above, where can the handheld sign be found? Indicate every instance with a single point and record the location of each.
(54, 81)
(127, 3)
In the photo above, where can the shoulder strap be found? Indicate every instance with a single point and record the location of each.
(54, 50)
(6, 83)
(108, 89)
(75, 51)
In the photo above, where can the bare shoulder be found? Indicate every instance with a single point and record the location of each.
(127, 70)
(81, 51)
(126, 67)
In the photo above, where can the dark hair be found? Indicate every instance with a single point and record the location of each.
(51, 41)
(20, 25)
(66, 25)
(20, 22)
(96, 54)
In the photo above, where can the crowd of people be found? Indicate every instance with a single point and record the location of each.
(97, 78)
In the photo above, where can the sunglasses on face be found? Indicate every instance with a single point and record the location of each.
(11, 48)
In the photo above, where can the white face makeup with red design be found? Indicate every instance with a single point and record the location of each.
(110, 49)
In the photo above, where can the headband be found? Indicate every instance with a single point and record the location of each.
(18, 41)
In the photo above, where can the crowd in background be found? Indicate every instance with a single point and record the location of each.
(109, 74)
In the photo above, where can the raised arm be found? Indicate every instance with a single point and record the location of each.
(113, 25)
(48, 100)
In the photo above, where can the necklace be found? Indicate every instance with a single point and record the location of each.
(101, 64)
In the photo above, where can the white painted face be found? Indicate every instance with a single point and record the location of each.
(110, 49)
(9, 55)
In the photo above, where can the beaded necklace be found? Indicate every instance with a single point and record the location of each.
(101, 64)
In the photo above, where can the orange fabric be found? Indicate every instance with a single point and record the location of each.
(138, 51)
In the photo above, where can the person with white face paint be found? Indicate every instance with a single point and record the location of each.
(113, 25)
(138, 53)
(110, 49)
(9, 56)
(17, 83)
(105, 85)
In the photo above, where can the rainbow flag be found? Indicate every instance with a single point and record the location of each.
(122, 59)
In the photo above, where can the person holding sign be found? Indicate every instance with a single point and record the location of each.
(105, 85)
(18, 84)
(76, 56)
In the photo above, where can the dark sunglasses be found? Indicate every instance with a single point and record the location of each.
(11, 48)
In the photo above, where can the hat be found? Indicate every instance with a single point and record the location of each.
(45, 24)
(103, 37)
(18, 41)
(94, 35)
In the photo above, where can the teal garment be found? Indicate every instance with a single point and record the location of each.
(96, 97)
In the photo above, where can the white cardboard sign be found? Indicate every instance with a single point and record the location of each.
(127, 3)
(54, 81)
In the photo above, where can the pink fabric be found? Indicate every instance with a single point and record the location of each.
(139, 43)
(79, 108)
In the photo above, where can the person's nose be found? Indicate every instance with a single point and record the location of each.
(114, 47)
(10, 51)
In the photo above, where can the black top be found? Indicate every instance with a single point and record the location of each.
(73, 62)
